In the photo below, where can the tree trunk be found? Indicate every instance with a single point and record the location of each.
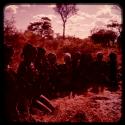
(64, 30)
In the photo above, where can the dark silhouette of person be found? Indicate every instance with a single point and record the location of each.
(26, 76)
(75, 70)
(65, 75)
(113, 85)
(40, 84)
(10, 85)
(99, 73)
(40, 58)
(86, 71)
(41, 66)
(52, 74)
(68, 70)
(61, 79)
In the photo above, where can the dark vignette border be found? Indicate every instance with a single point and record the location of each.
(4, 3)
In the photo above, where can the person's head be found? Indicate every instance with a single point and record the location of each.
(67, 58)
(76, 56)
(41, 52)
(112, 56)
(89, 57)
(29, 53)
(99, 56)
(52, 58)
(8, 53)
(86, 58)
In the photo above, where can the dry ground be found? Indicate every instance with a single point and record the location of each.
(89, 107)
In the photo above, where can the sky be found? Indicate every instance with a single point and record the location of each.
(88, 17)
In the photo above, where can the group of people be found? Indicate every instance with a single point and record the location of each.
(39, 72)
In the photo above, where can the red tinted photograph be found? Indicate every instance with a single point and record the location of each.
(62, 62)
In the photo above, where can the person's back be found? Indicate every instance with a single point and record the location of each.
(61, 78)
(40, 59)
(25, 74)
(86, 70)
(26, 77)
(75, 70)
(10, 86)
(52, 73)
(41, 67)
(68, 72)
(99, 75)
(113, 72)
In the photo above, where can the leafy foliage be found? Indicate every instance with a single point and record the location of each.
(104, 36)
(10, 32)
(42, 28)
(116, 25)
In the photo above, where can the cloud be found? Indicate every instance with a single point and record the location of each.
(118, 18)
(11, 9)
(37, 17)
(51, 6)
(59, 21)
(110, 12)
(99, 23)
(76, 19)
(83, 22)
(86, 15)
(104, 9)
(105, 15)
(104, 12)
(102, 16)
(116, 10)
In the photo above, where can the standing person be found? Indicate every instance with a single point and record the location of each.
(26, 77)
(113, 85)
(10, 86)
(41, 66)
(64, 74)
(68, 71)
(86, 71)
(75, 70)
(52, 74)
(99, 73)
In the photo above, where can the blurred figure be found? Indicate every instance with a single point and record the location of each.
(26, 78)
(99, 73)
(67, 59)
(10, 86)
(75, 70)
(41, 68)
(68, 69)
(8, 53)
(52, 74)
(113, 85)
(64, 74)
(40, 58)
(86, 71)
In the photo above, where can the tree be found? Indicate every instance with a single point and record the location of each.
(42, 28)
(15, 39)
(118, 27)
(104, 36)
(115, 25)
(11, 34)
(65, 11)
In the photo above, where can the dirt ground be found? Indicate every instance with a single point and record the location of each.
(89, 107)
